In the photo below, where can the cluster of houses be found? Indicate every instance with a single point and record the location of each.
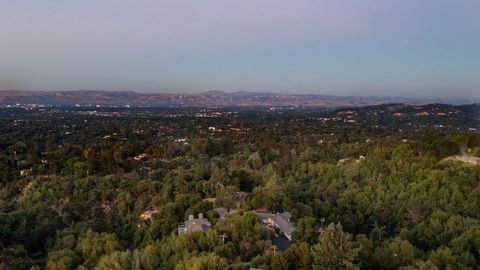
(281, 221)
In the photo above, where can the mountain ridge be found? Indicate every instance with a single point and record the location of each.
(206, 99)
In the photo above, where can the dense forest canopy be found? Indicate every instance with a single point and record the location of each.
(383, 187)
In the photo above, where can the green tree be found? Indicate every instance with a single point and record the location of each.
(335, 250)
(226, 197)
(118, 260)
(298, 256)
(305, 230)
(395, 253)
(207, 262)
(421, 265)
(147, 258)
(366, 250)
(278, 261)
(275, 193)
(445, 259)
(81, 169)
(62, 260)
(93, 245)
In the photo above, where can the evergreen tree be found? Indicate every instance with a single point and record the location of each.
(275, 193)
(278, 262)
(208, 262)
(118, 260)
(335, 250)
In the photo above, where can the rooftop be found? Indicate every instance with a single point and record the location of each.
(199, 224)
(281, 220)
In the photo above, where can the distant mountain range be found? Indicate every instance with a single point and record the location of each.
(207, 99)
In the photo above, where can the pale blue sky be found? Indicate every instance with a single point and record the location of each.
(415, 48)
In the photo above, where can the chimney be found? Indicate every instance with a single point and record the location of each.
(190, 217)
(200, 215)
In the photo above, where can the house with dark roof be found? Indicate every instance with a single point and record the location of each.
(199, 224)
(282, 221)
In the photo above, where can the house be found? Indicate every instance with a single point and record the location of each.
(281, 221)
(469, 159)
(199, 224)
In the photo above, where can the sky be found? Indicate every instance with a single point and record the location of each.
(412, 48)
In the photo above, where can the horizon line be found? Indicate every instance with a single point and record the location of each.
(242, 91)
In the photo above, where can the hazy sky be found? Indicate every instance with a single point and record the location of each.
(417, 48)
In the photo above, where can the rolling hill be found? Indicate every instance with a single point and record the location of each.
(207, 99)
